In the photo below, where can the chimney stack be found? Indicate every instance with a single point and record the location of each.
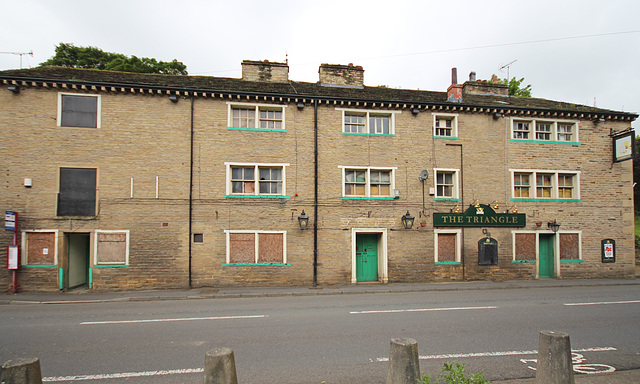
(472, 76)
(335, 75)
(454, 92)
(265, 71)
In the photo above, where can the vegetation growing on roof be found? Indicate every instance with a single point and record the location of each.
(515, 87)
(68, 55)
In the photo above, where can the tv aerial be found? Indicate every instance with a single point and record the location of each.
(20, 54)
(507, 66)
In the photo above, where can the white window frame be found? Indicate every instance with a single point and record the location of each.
(579, 233)
(98, 109)
(24, 259)
(256, 178)
(228, 233)
(456, 182)
(96, 260)
(367, 114)
(457, 232)
(392, 177)
(257, 108)
(554, 136)
(554, 188)
(454, 124)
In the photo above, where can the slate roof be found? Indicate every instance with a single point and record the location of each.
(292, 89)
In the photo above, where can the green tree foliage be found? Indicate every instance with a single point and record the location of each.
(68, 55)
(516, 88)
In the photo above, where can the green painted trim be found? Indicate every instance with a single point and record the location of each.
(60, 278)
(447, 263)
(256, 197)
(256, 129)
(257, 265)
(544, 141)
(369, 134)
(445, 137)
(368, 198)
(39, 266)
(444, 199)
(549, 200)
(523, 261)
(110, 266)
(571, 261)
(90, 278)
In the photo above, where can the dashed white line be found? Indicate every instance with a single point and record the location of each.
(501, 353)
(169, 320)
(606, 302)
(421, 310)
(121, 375)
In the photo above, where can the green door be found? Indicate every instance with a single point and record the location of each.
(546, 257)
(366, 257)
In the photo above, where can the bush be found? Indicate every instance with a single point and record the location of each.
(454, 375)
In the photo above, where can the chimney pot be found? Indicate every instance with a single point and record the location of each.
(454, 75)
(472, 76)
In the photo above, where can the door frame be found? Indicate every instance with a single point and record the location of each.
(381, 233)
(87, 271)
(556, 253)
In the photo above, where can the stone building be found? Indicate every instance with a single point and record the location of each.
(131, 181)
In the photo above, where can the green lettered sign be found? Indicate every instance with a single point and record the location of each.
(482, 216)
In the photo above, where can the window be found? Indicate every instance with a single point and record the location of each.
(446, 183)
(368, 123)
(77, 192)
(445, 125)
(447, 246)
(545, 130)
(521, 185)
(256, 247)
(40, 248)
(255, 180)
(362, 182)
(570, 248)
(550, 185)
(78, 111)
(521, 130)
(198, 238)
(111, 248)
(264, 117)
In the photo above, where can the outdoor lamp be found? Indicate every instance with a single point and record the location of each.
(553, 225)
(407, 220)
(14, 88)
(303, 220)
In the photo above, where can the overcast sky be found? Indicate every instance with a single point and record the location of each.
(580, 51)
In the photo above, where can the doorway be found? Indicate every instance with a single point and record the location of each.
(77, 259)
(546, 259)
(366, 257)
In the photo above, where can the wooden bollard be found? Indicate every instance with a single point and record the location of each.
(25, 370)
(220, 367)
(554, 359)
(404, 365)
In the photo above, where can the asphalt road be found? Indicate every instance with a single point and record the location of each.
(335, 339)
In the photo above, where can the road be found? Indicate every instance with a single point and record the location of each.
(314, 339)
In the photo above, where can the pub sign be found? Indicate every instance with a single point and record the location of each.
(479, 216)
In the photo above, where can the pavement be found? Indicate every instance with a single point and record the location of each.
(89, 296)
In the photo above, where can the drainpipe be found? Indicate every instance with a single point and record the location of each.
(190, 189)
(315, 193)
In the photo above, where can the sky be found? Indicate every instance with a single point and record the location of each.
(579, 51)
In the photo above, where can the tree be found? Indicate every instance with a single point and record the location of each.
(68, 55)
(516, 88)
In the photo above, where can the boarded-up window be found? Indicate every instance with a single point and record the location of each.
(570, 246)
(111, 247)
(242, 248)
(79, 111)
(41, 248)
(525, 246)
(447, 247)
(77, 194)
(270, 248)
(256, 247)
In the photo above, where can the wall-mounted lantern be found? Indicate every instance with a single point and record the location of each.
(553, 225)
(407, 220)
(303, 220)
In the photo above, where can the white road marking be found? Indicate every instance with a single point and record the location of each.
(122, 375)
(169, 320)
(606, 302)
(420, 310)
(502, 353)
